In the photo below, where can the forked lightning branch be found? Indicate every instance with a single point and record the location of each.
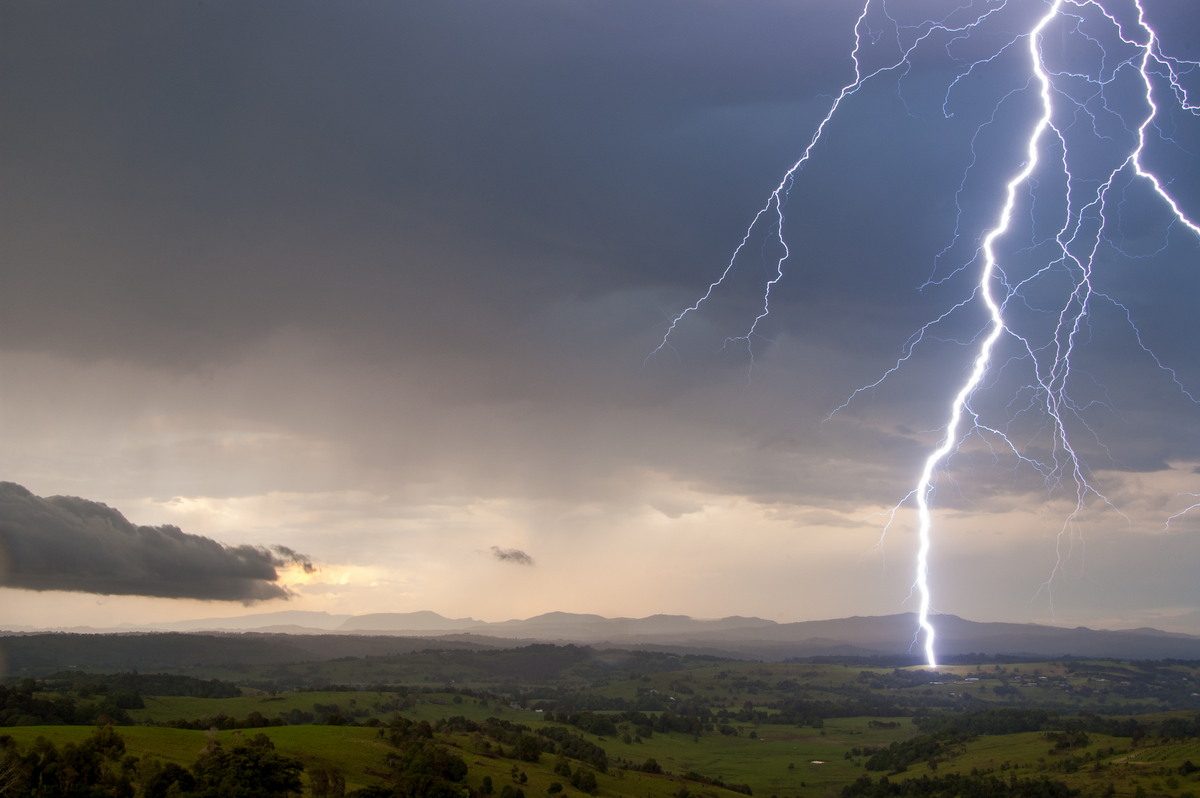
(1101, 86)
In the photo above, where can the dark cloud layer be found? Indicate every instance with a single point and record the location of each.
(67, 543)
(384, 276)
(233, 149)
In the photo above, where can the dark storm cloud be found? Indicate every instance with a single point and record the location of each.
(161, 161)
(386, 174)
(515, 556)
(498, 201)
(292, 248)
(68, 543)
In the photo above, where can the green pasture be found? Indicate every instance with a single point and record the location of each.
(1106, 761)
(728, 681)
(356, 706)
(1172, 754)
(619, 782)
(769, 764)
(1095, 685)
(352, 705)
(350, 749)
(784, 761)
(731, 684)
(858, 733)
(181, 746)
(434, 707)
(779, 760)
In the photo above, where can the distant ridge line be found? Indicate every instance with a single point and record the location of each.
(733, 636)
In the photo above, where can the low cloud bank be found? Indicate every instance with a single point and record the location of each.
(68, 543)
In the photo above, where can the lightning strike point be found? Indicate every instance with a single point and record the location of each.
(1114, 95)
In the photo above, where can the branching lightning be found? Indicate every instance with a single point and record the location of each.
(1096, 71)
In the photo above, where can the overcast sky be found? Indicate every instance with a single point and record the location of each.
(350, 304)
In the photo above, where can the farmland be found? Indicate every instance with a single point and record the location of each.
(569, 720)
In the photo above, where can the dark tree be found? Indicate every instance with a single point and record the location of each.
(159, 782)
(248, 770)
(327, 782)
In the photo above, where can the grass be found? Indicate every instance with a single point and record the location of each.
(181, 746)
(351, 749)
(779, 760)
(1090, 769)
(356, 706)
(161, 709)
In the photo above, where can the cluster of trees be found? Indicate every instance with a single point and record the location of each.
(899, 755)
(223, 722)
(418, 768)
(957, 785)
(21, 706)
(136, 683)
(519, 739)
(572, 745)
(590, 722)
(667, 721)
(581, 778)
(98, 766)
(74, 698)
(942, 731)
(899, 678)
(326, 715)
(508, 733)
(646, 700)
(651, 765)
(692, 775)
(519, 742)
(1012, 720)
(1180, 728)
(806, 712)
(1002, 720)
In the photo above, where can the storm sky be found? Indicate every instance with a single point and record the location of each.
(376, 283)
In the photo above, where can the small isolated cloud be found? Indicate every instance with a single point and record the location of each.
(67, 543)
(512, 555)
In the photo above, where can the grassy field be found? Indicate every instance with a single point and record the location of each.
(1106, 762)
(812, 755)
(181, 746)
(778, 762)
(351, 749)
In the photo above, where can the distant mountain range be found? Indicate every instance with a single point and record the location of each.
(738, 637)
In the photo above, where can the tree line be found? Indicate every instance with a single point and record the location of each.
(100, 767)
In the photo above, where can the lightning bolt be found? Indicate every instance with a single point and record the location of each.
(1099, 78)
